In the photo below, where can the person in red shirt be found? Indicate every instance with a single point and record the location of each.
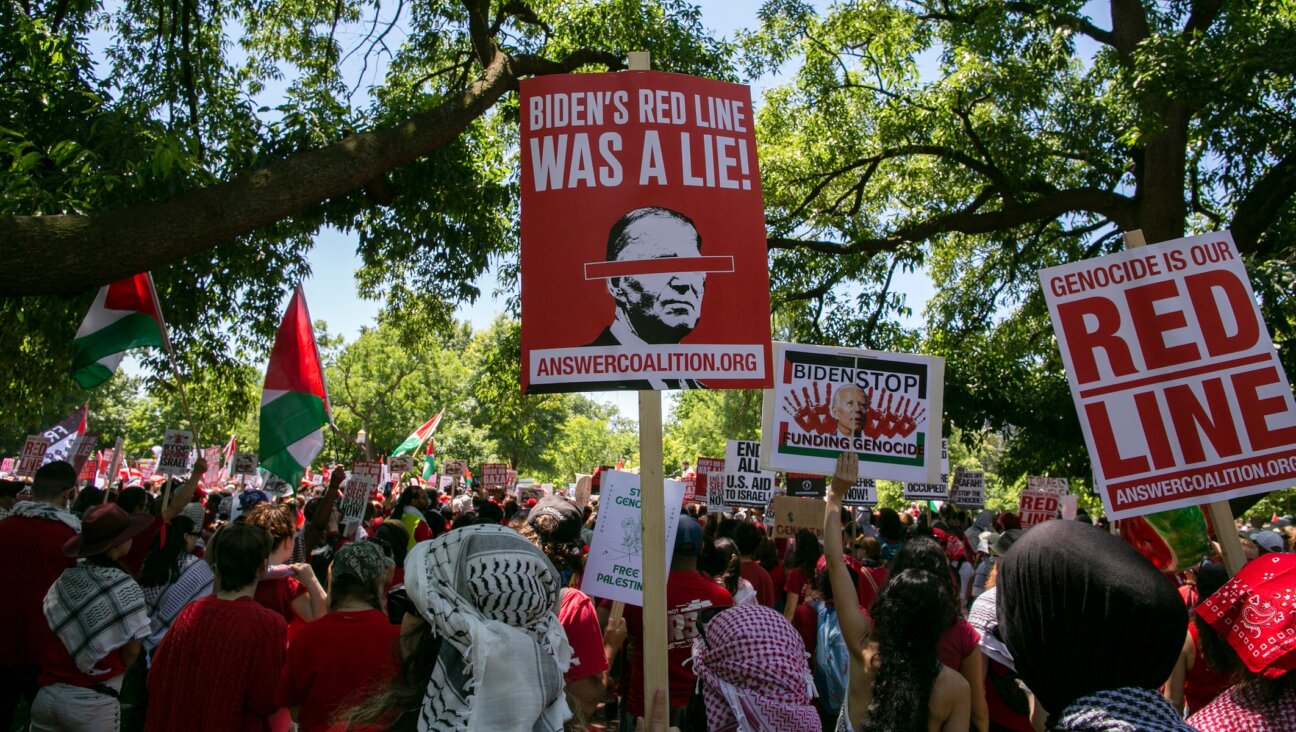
(333, 661)
(688, 592)
(99, 619)
(748, 538)
(226, 636)
(800, 582)
(135, 502)
(296, 593)
(31, 545)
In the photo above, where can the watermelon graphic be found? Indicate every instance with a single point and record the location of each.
(1172, 540)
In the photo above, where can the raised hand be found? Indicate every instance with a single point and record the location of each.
(845, 475)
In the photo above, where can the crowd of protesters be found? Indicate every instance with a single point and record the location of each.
(212, 608)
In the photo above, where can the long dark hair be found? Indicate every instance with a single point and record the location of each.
(925, 553)
(162, 565)
(720, 560)
(806, 553)
(911, 612)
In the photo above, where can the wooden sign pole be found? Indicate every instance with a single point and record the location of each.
(652, 510)
(1220, 513)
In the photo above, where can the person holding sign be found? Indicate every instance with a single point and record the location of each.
(896, 681)
(688, 593)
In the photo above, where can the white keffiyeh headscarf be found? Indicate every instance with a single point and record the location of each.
(47, 512)
(491, 596)
(95, 610)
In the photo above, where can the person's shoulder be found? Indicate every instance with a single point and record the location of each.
(949, 692)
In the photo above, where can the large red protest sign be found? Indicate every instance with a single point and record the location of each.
(1176, 381)
(643, 235)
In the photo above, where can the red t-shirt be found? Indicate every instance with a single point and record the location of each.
(777, 579)
(236, 641)
(141, 545)
(760, 581)
(58, 667)
(798, 582)
(868, 591)
(957, 643)
(334, 661)
(277, 596)
(31, 560)
(806, 621)
(578, 619)
(686, 594)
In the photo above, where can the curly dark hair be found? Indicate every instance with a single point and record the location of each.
(911, 612)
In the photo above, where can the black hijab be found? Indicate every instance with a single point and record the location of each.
(1083, 612)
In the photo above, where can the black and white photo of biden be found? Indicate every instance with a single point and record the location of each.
(654, 308)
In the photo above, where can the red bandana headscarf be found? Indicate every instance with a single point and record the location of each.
(754, 673)
(1256, 613)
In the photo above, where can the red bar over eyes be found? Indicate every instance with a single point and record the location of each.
(658, 265)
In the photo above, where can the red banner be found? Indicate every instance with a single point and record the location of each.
(643, 235)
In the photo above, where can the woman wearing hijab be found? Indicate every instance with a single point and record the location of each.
(349, 650)
(1255, 612)
(1064, 581)
(172, 577)
(752, 667)
(100, 619)
(486, 651)
(896, 680)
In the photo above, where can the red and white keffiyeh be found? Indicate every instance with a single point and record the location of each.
(1256, 613)
(754, 672)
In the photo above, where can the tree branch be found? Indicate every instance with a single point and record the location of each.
(90, 250)
(969, 220)
(1267, 199)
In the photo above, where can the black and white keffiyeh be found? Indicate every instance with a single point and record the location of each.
(95, 610)
(47, 512)
(1128, 709)
(491, 596)
(166, 601)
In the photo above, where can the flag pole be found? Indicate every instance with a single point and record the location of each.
(171, 361)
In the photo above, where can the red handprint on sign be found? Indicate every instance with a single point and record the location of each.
(811, 414)
(908, 415)
(892, 416)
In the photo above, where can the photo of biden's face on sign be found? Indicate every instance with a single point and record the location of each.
(653, 305)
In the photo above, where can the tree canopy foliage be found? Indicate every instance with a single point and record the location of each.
(975, 141)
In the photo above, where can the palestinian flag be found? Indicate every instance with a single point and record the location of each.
(429, 461)
(294, 402)
(124, 315)
(227, 459)
(419, 436)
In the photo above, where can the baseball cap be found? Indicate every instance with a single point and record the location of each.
(688, 536)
